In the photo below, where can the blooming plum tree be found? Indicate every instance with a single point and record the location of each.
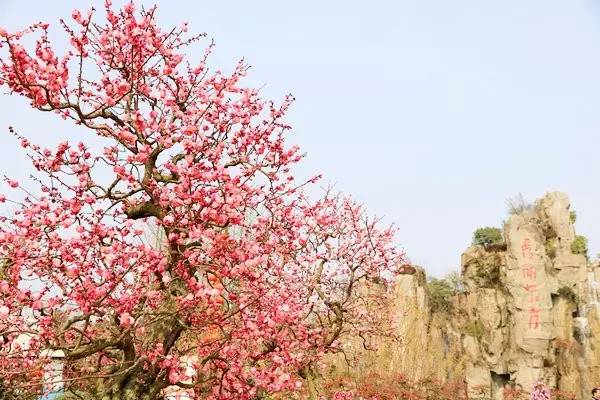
(254, 281)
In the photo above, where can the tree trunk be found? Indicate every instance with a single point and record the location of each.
(311, 378)
(132, 390)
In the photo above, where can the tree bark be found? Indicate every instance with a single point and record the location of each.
(311, 378)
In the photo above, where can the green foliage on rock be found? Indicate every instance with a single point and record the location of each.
(580, 245)
(572, 217)
(441, 291)
(455, 281)
(487, 236)
(440, 294)
(550, 246)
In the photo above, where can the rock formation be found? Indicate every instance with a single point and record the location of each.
(535, 301)
(529, 311)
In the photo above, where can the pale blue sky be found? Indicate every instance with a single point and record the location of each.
(432, 112)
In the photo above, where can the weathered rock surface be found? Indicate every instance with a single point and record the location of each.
(536, 304)
(529, 311)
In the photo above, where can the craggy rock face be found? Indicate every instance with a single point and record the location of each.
(534, 304)
(481, 268)
(529, 311)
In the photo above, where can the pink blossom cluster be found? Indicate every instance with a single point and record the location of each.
(252, 279)
(540, 392)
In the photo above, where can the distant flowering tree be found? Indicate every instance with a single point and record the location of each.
(540, 392)
(254, 282)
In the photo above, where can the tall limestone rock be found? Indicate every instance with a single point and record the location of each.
(417, 341)
(536, 304)
(432, 351)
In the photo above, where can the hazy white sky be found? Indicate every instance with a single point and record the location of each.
(432, 112)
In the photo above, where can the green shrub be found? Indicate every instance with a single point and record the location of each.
(580, 245)
(442, 290)
(550, 247)
(487, 236)
(572, 217)
(568, 293)
(440, 294)
(455, 281)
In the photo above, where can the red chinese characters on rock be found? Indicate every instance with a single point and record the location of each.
(530, 285)
(526, 248)
(534, 318)
(528, 271)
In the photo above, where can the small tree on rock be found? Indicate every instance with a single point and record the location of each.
(487, 236)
